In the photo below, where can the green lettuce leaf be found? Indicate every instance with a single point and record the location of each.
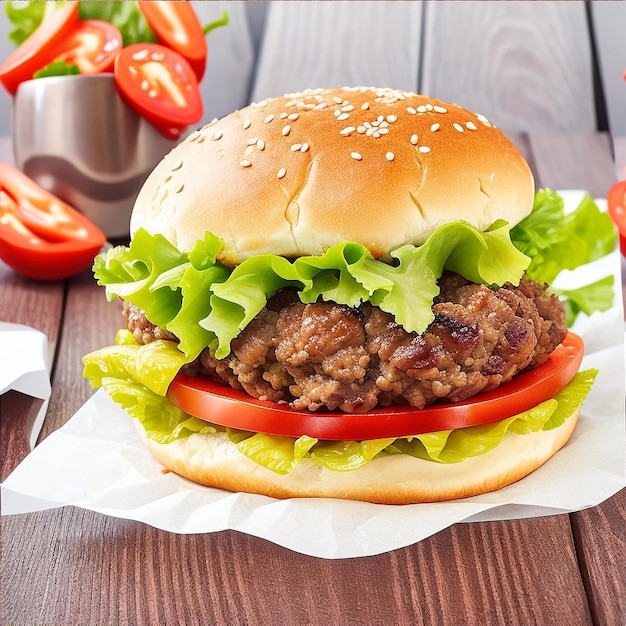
(24, 18)
(57, 68)
(556, 240)
(169, 285)
(597, 296)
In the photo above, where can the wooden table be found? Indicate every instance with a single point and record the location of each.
(71, 566)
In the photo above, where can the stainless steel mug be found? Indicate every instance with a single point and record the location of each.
(78, 139)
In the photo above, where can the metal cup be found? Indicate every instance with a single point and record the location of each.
(78, 139)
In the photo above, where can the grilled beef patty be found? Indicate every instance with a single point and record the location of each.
(325, 355)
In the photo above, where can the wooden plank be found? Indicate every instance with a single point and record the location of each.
(600, 537)
(609, 25)
(328, 44)
(525, 65)
(39, 305)
(583, 162)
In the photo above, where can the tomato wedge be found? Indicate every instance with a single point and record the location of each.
(218, 404)
(41, 236)
(176, 25)
(92, 45)
(616, 200)
(38, 50)
(160, 85)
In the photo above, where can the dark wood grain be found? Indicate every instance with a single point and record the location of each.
(71, 566)
(39, 305)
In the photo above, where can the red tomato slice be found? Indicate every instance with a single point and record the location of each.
(176, 25)
(36, 257)
(160, 85)
(230, 407)
(44, 214)
(616, 200)
(92, 45)
(38, 50)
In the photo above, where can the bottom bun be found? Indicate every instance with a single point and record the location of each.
(214, 461)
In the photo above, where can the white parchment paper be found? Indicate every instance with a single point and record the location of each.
(24, 367)
(98, 462)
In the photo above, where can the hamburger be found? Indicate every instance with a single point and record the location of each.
(345, 293)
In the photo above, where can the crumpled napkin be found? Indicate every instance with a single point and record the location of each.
(24, 367)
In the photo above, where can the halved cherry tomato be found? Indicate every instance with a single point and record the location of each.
(160, 85)
(92, 45)
(45, 214)
(616, 200)
(38, 50)
(230, 407)
(176, 25)
(41, 236)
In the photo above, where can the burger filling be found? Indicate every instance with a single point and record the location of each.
(325, 355)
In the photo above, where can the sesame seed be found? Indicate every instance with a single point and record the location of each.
(343, 116)
(253, 141)
(421, 109)
(429, 107)
(217, 135)
(305, 147)
(168, 178)
(177, 165)
(296, 147)
(246, 124)
(245, 163)
(281, 173)
(424, 149)
(347, 108)
(337, 99)
(269, 118)
(376, 134)
(293, 116)
(435, 127)
(260, 144)
(392, 118)
(360, 129)
(365, 106)
(356, 156)
(337, 112)
(283, 116)
(471, 126)
(414, 139)
(383, 131)
(213, 121)
(248, 150)
(194, 135)
(390, 156)
(179, 188)
(440, 109)
(411, 110)
(286, 130)
(458, 127)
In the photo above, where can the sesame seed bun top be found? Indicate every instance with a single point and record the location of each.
(296, 174)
